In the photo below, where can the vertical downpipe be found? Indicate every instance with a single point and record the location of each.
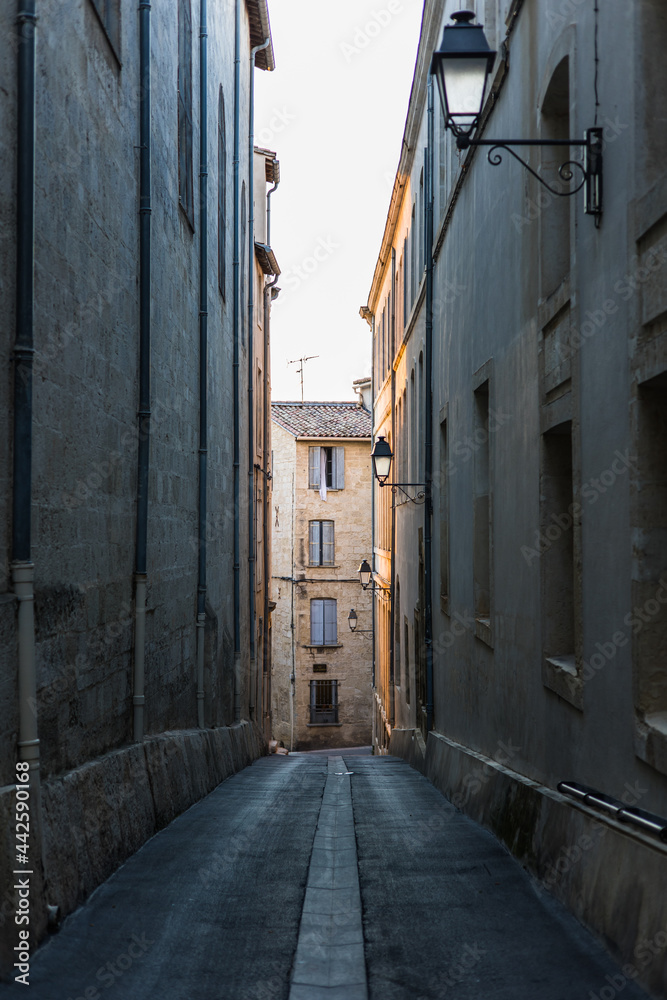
(392, 604)
(144, 415)
(203, 355)
(251, 377)
(269, 292)
(428, 424)
(237, 335)
(373, 515)
(23, 569)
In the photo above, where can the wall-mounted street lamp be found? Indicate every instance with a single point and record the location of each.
(352, 622)
(462, 66)
(382, 456)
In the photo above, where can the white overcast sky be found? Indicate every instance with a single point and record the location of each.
(334, 111)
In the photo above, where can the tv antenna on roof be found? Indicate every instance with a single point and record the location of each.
(300, 370)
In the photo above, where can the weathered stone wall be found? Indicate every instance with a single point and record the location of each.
(97, 815)
(85, 422)
(566, 322)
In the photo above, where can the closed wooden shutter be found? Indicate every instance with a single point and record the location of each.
(338, 477)
(314, 542)
(317, 623)
(314, 468)
(327, 543)
(330, 623)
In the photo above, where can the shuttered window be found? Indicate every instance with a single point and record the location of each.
(321, 543)
(335, 466)
(108, 12)
(185, 194)
(323, 622)
(222, 196)
(323, 702)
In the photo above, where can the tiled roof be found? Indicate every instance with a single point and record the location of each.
(325, 420)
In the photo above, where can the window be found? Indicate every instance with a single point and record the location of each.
(323, 702)
(323, 622)
(413, 258)
(558, 566)
(555, 215)
(406, 654)
(648, 620)
(444, 518)
(442, 162)
(185, 194)
(482, 510)
(321, 543)
(222, 196)
(108, 12)
(405, 282)
(244, 227)
(334, 464)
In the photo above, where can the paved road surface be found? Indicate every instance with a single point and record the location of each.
(297, 880)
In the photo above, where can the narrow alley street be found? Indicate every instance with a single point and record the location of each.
(318, 875)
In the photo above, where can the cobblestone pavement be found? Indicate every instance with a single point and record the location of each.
(322, 877)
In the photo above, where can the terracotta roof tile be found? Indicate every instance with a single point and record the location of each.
(325, 420)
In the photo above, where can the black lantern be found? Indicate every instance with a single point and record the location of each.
(462, 66)
(382, 456)
(365, 573)
(352, 620)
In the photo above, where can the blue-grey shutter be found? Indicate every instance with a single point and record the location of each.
(338, 477)
(314, 542)
(317, 623)
(330, 623)
(327, 543)
(314, 468)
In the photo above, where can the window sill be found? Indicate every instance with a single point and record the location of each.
(560, 675)
(333, 645)
(483, 631)
(323, 566)
(322, 725)
(650, 739)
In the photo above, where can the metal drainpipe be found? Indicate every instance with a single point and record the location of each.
(23, 568)
(237, 449)
(203, 356)
(392, 605)
(251, 367)
(373, 615)
(144, 414)
(268, 298)
(428, 403)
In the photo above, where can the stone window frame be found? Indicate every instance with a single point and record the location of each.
(321, 543)
(185, 117)
(109, 15)
(325, 603)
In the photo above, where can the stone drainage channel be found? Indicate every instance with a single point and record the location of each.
(330, 949)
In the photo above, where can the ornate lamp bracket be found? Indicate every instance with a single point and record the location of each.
(586, 176)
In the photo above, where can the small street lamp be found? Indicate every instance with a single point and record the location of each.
(365, 573)
(352, 622)
(462, 66)
(382, 456)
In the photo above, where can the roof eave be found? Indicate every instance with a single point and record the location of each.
(260, 30)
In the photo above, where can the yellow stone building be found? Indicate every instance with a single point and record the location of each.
(322, 671)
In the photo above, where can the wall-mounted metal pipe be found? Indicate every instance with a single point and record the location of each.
(428, 424)
(251, 368)
(269, 288)
(23, 570)
(392, 600)
(236, 379)
(144, 414)
(203, 354)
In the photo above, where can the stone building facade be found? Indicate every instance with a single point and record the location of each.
(322, 671)
(525, 643)
(134, 268)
